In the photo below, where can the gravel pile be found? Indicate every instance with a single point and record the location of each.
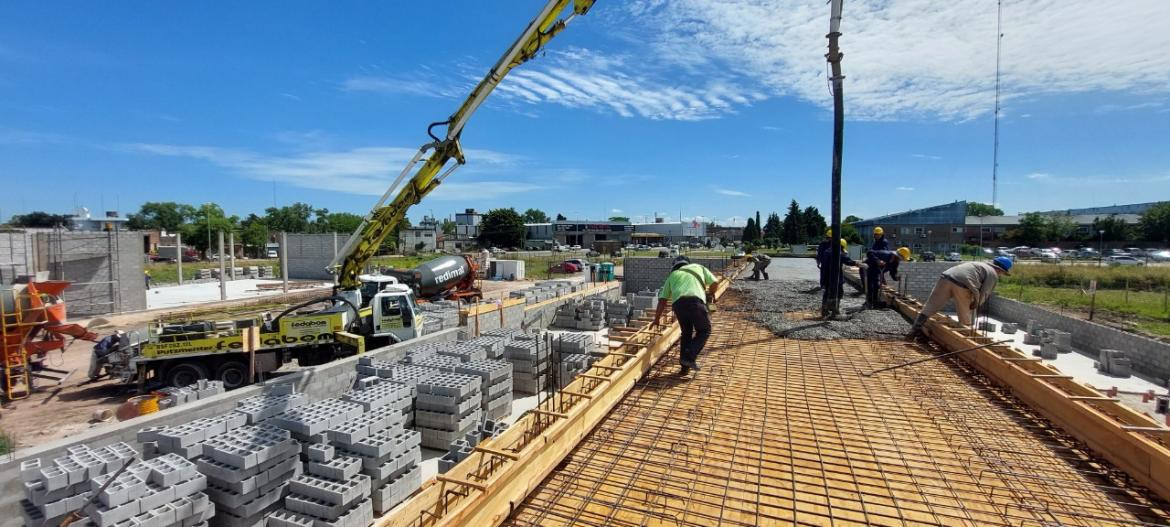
(768, 300)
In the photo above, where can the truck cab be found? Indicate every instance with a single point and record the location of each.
(395, 313)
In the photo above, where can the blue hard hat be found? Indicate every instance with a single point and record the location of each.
(1003, 262)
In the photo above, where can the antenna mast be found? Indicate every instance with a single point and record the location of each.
(995, 148)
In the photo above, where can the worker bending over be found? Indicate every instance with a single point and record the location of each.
(760, 264)
(687, 290)
(969, 284)
(877, 264)
(826, 267)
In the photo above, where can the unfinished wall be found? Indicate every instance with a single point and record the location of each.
(16, 255)
(310, 254)
(919, 277)
(641, 273)
(105, 269)
(317, 383)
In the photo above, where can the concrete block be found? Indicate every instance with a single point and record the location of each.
(287, 518)
(1010, 328)
(55, 477)
(320, 452)
(338, 468)
(107, 516)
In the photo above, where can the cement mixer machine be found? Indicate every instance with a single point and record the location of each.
(33, 323)
(444, 278)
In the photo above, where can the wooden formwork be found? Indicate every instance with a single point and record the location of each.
(779, 432)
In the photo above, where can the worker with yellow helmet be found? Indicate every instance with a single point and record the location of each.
(878, 263)
(824, 253)
(880, 243)
(824, 260)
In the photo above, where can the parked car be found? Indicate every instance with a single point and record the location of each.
(1123, 260)
(1047, 256)
(953, 257)
(581, 263)
(928, 256)
(272, 254)
(575, 247)
(1135, 252)
(1117, 252)
(565, 267)
(592, 254)
(1160, 256)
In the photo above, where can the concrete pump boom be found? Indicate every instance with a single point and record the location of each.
(384, 218)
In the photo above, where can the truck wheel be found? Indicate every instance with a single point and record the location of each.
(184, 373)
(233, 374)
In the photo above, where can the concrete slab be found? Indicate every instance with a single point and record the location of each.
(195, 293)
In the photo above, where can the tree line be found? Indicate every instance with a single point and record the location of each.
(799, 226)
(1035, 228)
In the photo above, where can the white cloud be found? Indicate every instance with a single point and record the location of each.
(905, 189)
(290, 96)
(616, 211)
(1039, 175)
(926, 156)
(916, 58)
(421, 83)
(367, 170)
(730, 192)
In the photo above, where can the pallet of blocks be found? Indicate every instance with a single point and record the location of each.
(447, 406)
(569, 366)
(495, 385)
(529, 357)
(166, 490)
(460, 449)
(248, 471)
(493, 346)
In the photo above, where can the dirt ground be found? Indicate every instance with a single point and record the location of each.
(54, 412)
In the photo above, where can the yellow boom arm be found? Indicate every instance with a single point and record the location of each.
(384, 218)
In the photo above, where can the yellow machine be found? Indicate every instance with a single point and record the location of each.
(365, 310)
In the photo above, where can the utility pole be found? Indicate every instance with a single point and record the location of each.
(284, 261)
(179, 255)
(222, 277)
(232, 252)
(833, 307)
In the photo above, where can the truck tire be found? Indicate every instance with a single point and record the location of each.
(233, 374)
(184, 373)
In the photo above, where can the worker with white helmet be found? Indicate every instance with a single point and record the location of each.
(102, 349)
(969, 284)
(877, 264)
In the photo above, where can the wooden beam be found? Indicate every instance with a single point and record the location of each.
(604, 367)
(595, 377)
(538, 411)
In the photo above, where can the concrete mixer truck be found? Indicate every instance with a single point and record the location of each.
(444, 278)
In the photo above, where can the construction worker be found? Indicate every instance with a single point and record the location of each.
(824, 252)
(760, 264)
(102, 349)
(880, 243)
(877, 264)
(687, 291)
(826, 267)
(146, 272)
(969, 284)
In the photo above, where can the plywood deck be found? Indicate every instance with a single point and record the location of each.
(778, 432)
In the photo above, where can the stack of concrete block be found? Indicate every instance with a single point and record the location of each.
(491, 428)
(529, 358)
(166, 490)
(54, 489)
(248, 470)
(447, 406)
(441, 362)
(493, 346)
(1114, 362)
(370, 367)
(587, 314)
(382, 393)
(275, 399)
(1010, 328)
(495, 385)
(379, 447)
(203, 274)
(574, 343)
(988, 326)
(508, 334)
(308, 423)
(643, 300)
(439, 315)
(193, 392)
(570, 365)
(188, 440)
(618, 313)
(252, 271)
(1035, 334)
(464, 352)
(266, 272)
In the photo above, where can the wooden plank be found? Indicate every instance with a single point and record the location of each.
(538, 411)
(1109, 428)
(511, 481)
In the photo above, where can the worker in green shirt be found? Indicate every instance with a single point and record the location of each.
(686, 291)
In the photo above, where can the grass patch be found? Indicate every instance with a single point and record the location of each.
(1136, 278)
(1143, 310)
(7, 443)
(168, 272)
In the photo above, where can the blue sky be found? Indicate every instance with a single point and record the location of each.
(700, 108)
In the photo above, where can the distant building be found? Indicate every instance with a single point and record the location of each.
(585, 232)
(466, 229)
(672, 232)
(82, 220)
(539, 236)
(731, 234)
(946, 228)
(427, 236)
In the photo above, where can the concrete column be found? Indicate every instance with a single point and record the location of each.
(232, 250)
(179, 255)
(284, 260)
(222, 271)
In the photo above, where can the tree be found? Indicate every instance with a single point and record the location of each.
(772, 229)
(561, 217)
(535, 216)
(1116, 230)
(850, 234)
(1032, 230)
(851, 219)
(448, 227)
(751, 232)
(254, 234)
(982, 209)
(163, 215)
(1061, 228)
(289, 218)
(814, 224)
(207, 221)
(792, 232)
(502, 228)
(1155, 223)
(343, 222)
(620, 218)
(39, 219)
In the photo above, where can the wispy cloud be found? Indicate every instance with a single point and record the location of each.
(13, 136)
(367, 170)
(1039, 175)
(1111, 108)
(290, 96)
(926, 156)
(1099, 180)
(1108, 46)
(771, 128)
(905, 189)
(616, 211)
(422, 83)
(730, 192)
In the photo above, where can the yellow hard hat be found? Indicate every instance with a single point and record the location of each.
(878, 231)
(829, 233)
(903, 252)
(844, 245)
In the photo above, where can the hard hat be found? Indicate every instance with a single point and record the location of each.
(903, 252)
(878, 231)
(829, 233)
(844, 244)
(1003, 263)
(680, 261)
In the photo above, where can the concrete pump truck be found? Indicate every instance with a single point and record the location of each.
(364, 310)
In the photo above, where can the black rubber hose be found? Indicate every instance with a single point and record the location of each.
(356, 313)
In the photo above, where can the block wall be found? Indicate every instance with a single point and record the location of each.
(16, 256)
(310, 254)
(318, 383)
(105, 269)
(641, 273)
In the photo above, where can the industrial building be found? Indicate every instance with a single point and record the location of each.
(670, 232)
(427, 236)
(586, 232)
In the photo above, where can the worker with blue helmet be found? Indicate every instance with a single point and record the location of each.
(969, 284)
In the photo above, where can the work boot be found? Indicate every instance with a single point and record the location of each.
(688, 364)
